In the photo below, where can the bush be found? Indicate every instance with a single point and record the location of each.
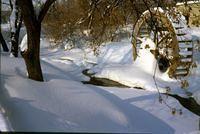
(93, 22)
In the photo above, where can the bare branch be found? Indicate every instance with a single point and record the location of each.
(45, 9)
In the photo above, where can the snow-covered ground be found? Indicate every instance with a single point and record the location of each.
(130, 73)
(115, 62)
(63, 103)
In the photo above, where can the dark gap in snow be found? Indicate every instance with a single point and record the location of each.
(139, 88)
(103, 81)
(188, 103)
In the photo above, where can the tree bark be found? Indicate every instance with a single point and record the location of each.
(33, 28)
(3, 43)
(15, 39)
(32, 56)
(15, 31)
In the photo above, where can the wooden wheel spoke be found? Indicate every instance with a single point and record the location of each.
(171, 45)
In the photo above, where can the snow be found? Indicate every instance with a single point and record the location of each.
(188, 2)
(5, 5)
(63, 104)
(37, 6)
(6, 28)
(132, 73)
(24, 45)
(13, 17)
(127, 72)
(145, 57)
(197, 96)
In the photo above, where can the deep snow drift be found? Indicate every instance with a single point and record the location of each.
(115, 62)
(63, 103)
(133, 74)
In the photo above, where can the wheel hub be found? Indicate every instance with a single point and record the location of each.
(163, 64)
(173, 47)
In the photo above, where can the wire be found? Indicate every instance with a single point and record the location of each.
(160, 96)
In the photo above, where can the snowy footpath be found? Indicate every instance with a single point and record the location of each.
(63, 104)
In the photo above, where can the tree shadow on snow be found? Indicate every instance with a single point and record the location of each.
(141, 121)
(19, 111)
(25, 116)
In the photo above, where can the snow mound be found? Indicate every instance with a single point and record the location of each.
(115, 52)
(66, 105)
(63, 104)
(132, 73)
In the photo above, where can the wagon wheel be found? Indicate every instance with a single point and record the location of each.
(174, 48)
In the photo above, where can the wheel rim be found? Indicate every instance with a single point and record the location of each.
(160, 29)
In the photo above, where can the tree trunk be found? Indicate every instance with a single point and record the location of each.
(5, 48)
(15, 38)
(31, 56)
(33, 27)
(15, 28)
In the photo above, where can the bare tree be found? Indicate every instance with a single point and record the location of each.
(92, 21)
(97, 16)
(16, 22)
(33, 22)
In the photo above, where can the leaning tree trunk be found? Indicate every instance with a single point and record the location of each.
(31, 56)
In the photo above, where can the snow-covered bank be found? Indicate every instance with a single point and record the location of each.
(141, 72)
(63, 103)
(132, 74)
(115, 62)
